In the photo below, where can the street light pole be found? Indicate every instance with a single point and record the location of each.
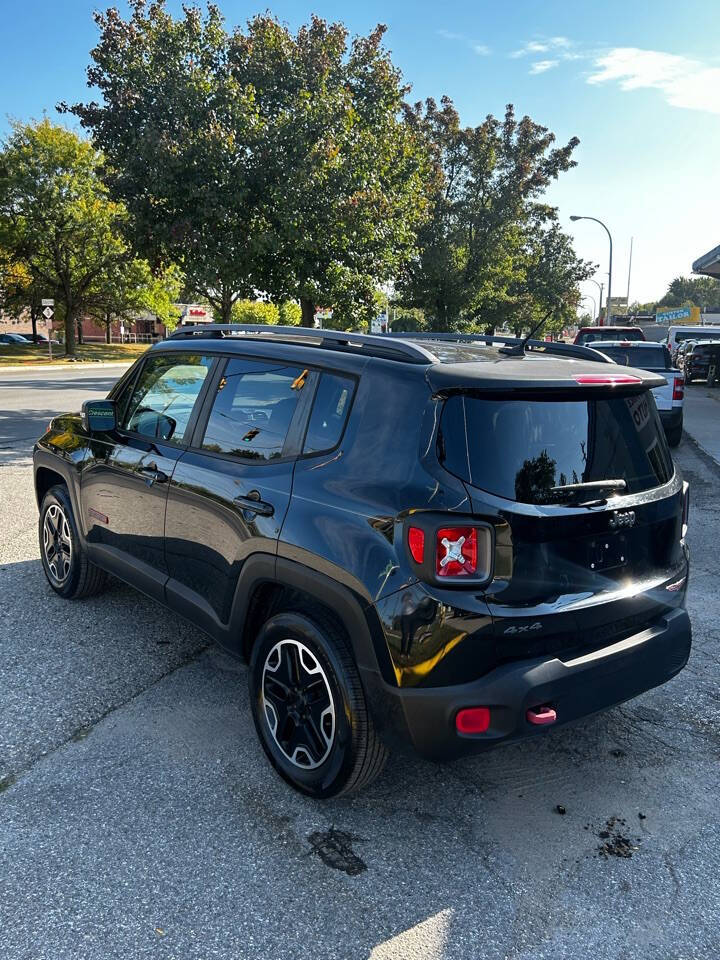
(601, 287)
(608, 299)
(586, 296)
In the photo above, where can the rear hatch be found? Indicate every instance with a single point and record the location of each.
(578, 565)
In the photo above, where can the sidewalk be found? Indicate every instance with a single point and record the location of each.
(702, 417)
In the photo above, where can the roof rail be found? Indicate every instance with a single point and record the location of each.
(536, 346)
(375, 346)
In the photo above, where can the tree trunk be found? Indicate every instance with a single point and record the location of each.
(307, 308)
(79, 330)
(34, 311)
(108, 322)
(69, 331)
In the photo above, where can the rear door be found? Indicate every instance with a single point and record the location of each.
(229, 493)
(124, 486)
(575, 568)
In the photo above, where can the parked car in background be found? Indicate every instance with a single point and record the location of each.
(697, 360)
(504, 553)
(678, 334)
(678, 357)
(586, 335)
(13, 340)
(655, 358)
(37, 338)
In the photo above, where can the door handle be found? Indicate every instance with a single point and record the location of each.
(153, 475)
(251, 503)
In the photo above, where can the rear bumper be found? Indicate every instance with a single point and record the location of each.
(671, 418)
(573, 688)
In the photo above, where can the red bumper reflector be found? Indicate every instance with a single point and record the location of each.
(607, 379)
(416, 543)
(473, 720)
(541, 716)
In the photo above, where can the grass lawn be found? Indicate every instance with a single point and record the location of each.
(106, 352)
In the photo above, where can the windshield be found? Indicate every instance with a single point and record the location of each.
(521, 449)
(646, 358)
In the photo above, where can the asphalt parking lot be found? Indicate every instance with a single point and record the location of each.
(139, 817)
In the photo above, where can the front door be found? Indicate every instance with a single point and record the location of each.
(124, 487)
(229, 494)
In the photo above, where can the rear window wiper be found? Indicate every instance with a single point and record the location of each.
(591, 486)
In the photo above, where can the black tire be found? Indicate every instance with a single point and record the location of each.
(674, 436)
(66, 566)
(354, 756)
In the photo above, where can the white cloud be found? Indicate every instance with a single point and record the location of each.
(480, 48)
(544, 45)
(684, 82)
(541, 66)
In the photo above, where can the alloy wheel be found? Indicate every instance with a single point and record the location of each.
(298, 704)
(57, 543)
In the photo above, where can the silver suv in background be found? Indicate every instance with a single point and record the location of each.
(654, 357)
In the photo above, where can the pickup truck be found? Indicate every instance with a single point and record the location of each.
(654, 357)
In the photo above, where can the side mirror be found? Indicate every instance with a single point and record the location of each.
(98, 416)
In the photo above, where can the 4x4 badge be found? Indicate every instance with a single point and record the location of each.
(625, 518)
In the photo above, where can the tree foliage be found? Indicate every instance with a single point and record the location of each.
(260, 160)
(491, 252)
(692, 291)
(57, 219)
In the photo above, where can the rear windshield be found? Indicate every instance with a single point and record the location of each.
(521, 448)
(646, 358)
(681, 335)
(604, 333)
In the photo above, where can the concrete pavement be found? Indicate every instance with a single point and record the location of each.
(701, 416)
(139, 817)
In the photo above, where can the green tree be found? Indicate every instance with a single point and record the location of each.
(57, 218)
(261, 161)
(20, 290)
(490, 250)
(129, 289)
(692, 291)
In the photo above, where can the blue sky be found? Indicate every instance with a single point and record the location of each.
(639, 84)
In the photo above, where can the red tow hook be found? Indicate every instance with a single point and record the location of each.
(541, 716)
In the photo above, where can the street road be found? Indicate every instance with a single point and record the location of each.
(139, 817)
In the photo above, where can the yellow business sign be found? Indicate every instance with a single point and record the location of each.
(679, 316)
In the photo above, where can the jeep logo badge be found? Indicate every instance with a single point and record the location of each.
(622, 518)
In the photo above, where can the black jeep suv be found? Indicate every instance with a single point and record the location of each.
(443, 542)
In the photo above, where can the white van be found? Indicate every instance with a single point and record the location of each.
(676, 335)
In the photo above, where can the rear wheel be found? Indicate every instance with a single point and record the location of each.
(64, 560)
(674, 435)
(309, 707)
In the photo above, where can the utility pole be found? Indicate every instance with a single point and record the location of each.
(627, 306)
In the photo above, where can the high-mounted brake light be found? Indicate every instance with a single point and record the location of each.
(416, 544)
(678, 388)
(456, 552)
(605, 379)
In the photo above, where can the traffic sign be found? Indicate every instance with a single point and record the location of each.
(48, 303)
(48, 313)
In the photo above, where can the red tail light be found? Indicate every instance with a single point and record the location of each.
(416, 543)
(605, 379)
(456, 552)
(678, 388)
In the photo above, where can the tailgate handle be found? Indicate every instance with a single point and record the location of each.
(540, 716)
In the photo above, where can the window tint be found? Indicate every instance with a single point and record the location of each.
(607, 333)
(329, 413)
(646, 358)
(164, 396)
(253, 407)
(521, 449)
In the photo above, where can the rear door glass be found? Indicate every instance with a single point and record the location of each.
(252, 409)
(521, 448)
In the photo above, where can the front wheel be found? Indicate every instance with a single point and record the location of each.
(66, 566)
(309, 707)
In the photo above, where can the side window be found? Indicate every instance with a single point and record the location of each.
(252, 410)
(329, 412)
(164, 395)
